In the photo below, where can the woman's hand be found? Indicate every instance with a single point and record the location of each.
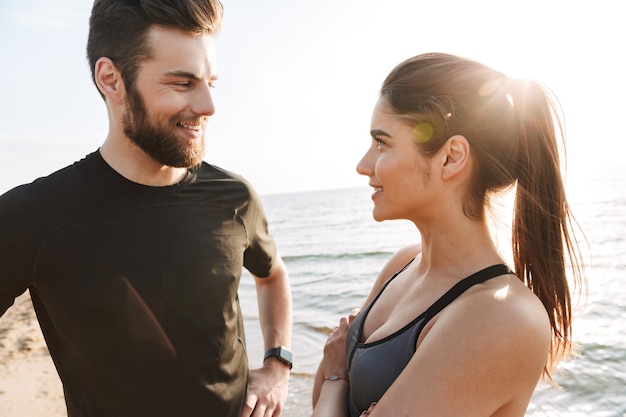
(334, 361)
(331, 388)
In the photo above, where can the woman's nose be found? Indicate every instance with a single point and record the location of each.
(365, 165)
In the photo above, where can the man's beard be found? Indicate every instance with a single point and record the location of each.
(158, 140)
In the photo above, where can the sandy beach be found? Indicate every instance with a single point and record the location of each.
(30, 386)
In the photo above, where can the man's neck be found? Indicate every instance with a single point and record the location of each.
(135, 165)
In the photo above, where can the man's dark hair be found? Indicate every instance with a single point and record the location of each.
(118, 29)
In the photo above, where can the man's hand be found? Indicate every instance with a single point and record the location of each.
(267, 390)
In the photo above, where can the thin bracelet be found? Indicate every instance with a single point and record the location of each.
(334, 377)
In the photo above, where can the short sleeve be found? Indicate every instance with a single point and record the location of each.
(260, 255)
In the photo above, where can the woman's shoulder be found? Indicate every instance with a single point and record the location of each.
(502, 315)
(504, 301)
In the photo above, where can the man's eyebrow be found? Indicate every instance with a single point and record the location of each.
(378, 132)
(187, 74)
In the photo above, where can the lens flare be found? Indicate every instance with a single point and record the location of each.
(423, 132)
(489, 88)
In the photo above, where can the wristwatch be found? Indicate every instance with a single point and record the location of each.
(282, 354)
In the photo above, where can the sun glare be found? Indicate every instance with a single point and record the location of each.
(502, 293)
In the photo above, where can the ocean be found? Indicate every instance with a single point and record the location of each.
(334, 250)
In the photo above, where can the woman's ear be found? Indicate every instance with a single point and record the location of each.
(456, 157)
(109, 80)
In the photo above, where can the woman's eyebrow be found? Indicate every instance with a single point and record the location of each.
(379, 132)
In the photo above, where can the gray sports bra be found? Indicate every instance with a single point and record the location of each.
(372, 367)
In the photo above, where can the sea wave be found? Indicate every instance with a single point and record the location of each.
(336, 256)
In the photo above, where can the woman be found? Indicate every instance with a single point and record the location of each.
(448, 328)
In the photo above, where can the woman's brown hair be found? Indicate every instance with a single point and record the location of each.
(515, 130)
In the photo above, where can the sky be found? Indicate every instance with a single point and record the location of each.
(298, 80)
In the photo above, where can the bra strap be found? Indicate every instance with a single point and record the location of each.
(463, 285)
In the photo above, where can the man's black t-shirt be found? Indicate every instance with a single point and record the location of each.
(135, 287)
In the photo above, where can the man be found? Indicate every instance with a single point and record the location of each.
(133, 255)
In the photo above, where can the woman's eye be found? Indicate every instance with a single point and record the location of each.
(379, 143)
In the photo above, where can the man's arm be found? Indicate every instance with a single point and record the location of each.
(267, 386)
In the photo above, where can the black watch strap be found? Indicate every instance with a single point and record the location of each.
(282, 354)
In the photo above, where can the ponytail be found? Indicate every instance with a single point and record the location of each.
(542, 235)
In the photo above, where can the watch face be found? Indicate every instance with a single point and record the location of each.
(282, 354)
(286, 355)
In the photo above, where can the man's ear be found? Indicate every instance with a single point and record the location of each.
(109, 80)
(456, 157)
